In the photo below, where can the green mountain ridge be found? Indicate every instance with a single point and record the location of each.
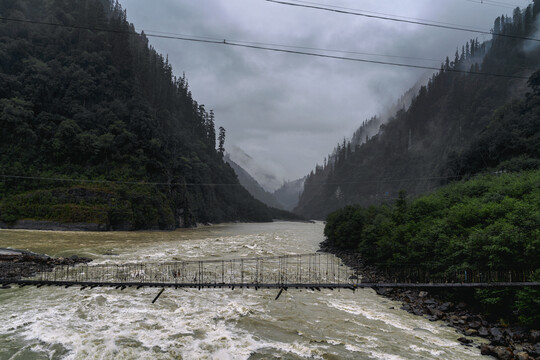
(96, 128)
(252, 186)
(436, 140)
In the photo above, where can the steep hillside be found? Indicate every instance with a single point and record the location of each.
(95, 127)
(417, 149)
(289, 193)
(252, 186)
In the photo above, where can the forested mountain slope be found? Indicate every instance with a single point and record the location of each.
(251, 185)
(289, 193)
(103, 108)
(437, 139)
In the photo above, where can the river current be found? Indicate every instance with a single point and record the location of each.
(59, 323)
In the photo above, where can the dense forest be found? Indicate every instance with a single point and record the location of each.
(96, 128)
(442, 134)
(484, 156)
(252, 186)
(289, 193)
(491, 222)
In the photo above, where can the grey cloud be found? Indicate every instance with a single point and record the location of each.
(289, 111)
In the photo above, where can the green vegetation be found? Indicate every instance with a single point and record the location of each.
(456, 125)
(483, 132)
(117, 208)
(80, 104)
(489, 222)
(511, 140)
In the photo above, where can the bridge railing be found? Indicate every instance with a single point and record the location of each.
(418, 274)
(315, 269)
(319, 269)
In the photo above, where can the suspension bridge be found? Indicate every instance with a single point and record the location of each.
(308, 271)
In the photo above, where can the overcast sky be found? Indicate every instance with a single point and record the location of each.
(288, 111)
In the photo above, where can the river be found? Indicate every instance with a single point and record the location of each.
(59, 323)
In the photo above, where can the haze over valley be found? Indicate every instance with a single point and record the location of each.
(285, 179)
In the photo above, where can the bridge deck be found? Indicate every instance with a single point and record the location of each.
(313, 286)
(311, 271)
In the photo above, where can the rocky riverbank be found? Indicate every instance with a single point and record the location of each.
(511, 342)
(17, 264)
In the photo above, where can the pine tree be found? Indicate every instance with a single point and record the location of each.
(497, 25)
(221, 140)
(211, 130)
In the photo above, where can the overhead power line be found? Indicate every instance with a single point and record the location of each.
(299, 47)
(494, 3)
(502, 3)
(157, 33)
(394, 18)
(112, 181)
(267, 48)
(379, 13)
(90, 181)
(375, 61)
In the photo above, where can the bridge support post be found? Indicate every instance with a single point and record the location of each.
(158, 295)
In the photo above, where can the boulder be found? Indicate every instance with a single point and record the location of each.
(496, 336)
(483, 331)
(475, 325)
(430, 301)
(417, 311)
(500, 352)
(522, 355)
(436, 312)
(503, 353)
(486, 349)
(464, 340)
(446, 306)
(406, 308)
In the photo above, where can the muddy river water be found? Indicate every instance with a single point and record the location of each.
(102, 323)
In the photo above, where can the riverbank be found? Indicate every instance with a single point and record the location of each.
(511, 342)
(16, 264)
(97, 227)
(54, 226)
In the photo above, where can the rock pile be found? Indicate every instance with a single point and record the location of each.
(17, 264)
(513, 342)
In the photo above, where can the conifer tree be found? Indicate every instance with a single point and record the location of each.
(221, 140)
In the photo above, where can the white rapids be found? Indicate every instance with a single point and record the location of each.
(103, 323)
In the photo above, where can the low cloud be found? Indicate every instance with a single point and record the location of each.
(288, 111)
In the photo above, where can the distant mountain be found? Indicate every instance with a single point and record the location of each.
(445, 133)
(252, 186)
(289, 193)
(261, 171)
